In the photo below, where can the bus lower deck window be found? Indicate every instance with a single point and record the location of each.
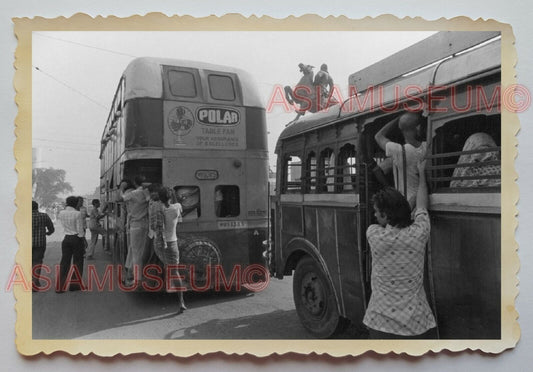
(292, 182)
(467, 154)
(189, 197)
(227, 201)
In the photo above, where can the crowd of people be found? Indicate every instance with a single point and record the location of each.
(153, 212)
(74, 247)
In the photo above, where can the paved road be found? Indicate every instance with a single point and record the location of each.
(268, 314)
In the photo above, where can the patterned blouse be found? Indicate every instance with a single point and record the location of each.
(157, 224)
(398, 303)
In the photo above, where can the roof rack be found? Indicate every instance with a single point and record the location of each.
(430, 50)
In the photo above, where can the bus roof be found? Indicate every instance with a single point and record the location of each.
(470, 63)
(442, 44)
(143, 78)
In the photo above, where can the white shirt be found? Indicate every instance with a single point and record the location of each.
(71, 220)
(172, 214)
(413, 155)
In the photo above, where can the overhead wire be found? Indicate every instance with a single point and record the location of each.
(70, 87)
(86, 45)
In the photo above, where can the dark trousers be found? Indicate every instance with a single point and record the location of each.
(37, 255)
(431, 334)
(72, 249)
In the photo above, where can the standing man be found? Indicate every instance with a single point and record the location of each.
(398, 307)
(73, 245)
(95, 227)
(404, 157)
(41, 226)
(136, 201)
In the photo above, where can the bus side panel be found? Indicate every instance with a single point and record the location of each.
(350, 265)
(465, 251)
(327, 245)
(310, 225)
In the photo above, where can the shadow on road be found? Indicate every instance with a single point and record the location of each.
(277, 324)
(76, 314)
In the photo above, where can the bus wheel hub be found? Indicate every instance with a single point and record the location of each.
(313, 294)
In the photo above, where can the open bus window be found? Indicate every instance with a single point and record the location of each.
(189, 198)
(182, 83)
(293, 175)
(221, 87)
(227, 201)
(466, 155)
(310, 173)
(326, 170)
(346, 170)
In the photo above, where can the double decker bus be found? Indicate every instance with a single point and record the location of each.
(322, 205)
(199, 129)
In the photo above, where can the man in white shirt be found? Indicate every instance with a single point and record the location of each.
(137, 208)
(72, 247)
(405, 157)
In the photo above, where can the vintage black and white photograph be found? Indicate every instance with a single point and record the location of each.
(267, 185)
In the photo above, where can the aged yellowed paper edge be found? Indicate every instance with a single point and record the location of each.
(510, 332)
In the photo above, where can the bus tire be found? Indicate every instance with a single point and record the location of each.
(198, 253)
(315, 301)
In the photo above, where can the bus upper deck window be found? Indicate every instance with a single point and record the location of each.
(227, 201)
(221, 88)
(189, 197)
(182, 83)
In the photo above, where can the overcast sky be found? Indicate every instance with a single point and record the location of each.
(79, 71)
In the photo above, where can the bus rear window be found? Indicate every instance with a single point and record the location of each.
(189, 198)
(182, 83)
(227, 201)
(221, 88)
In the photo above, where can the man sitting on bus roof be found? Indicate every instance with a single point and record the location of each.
(398, 306)
(404, 156)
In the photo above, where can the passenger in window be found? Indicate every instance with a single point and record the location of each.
(405, 157)
(219, 199)
(190, 200)
(478, 141)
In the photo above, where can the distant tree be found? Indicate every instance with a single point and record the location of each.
(94, 195)
(48, 183)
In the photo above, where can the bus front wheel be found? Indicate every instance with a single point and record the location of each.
(315, 301)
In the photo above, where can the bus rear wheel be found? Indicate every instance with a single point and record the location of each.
(315, 301)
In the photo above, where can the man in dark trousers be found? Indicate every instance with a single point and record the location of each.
(73, 245)
(41, 225)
